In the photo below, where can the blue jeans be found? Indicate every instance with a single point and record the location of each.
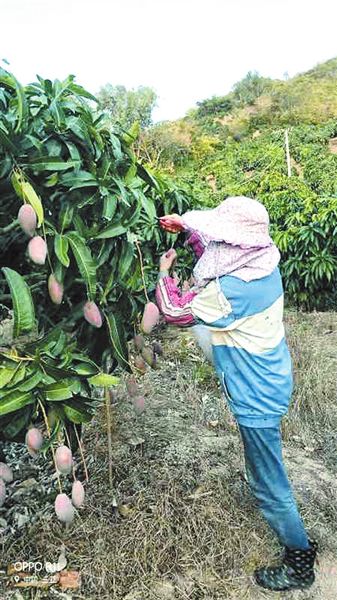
(269, 483)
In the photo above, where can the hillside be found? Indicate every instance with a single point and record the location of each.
(235, 145)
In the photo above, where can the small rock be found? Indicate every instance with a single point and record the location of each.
(135, 441)
(18, 596)
(21, 520)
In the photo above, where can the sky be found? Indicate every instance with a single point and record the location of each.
(187, 50)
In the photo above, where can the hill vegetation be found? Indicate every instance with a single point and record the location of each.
(235, 145)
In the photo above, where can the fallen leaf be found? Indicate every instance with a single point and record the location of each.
(126, 510)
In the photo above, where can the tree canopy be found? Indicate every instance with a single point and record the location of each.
(126, 107)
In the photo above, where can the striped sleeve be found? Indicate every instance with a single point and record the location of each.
(197, 243)
(175, 306)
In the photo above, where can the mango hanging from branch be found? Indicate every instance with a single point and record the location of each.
(92, 314)
(34, 441)
(150, 317)
(55, 289)
(77, 494)
(26, 192)
(64, 459)
(37, 250)
(27, 219)
(64, 508)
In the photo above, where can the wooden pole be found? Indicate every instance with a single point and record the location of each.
(286, 136)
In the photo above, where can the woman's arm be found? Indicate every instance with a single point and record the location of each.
(175, 306)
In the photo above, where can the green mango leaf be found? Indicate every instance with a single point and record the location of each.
(56, 373)
(81, 228)
(19, 375)
(123, 191)
(147, 176)
(85, 368)
(24, 314)
(116, 145)
(87, 199)
(26, 192)
(76, 411)
(52, 180)
(118, 341)
(73, 151)
(85, 263)
(61, 246)
(104, 253)
(109, 206)
(14, 401)
(58, 391)
(104, 380)
(111, 231)
(6, 375)
(60, 344)
(17, 424)
(9, 81)
(79, 179)
(149, 207)
(31, 382)
(52, 163)
(5, 140)
(130, 221)
(78, 127)
(66, 215)
(125, 260)
(57, 112)
(45, 343)
(130, 136)
(130, 174)
(80, 91)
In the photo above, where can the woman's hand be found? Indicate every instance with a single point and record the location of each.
(172, 223)
(167, 260)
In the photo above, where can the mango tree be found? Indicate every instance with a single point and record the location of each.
(78, 216)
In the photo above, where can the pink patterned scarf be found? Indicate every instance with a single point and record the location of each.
(236, 241)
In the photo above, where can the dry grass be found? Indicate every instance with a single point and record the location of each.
(180, 522)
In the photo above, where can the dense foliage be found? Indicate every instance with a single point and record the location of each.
(302, 207)
(97, 212)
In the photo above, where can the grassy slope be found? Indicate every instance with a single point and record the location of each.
(180, 523)
(243, 151)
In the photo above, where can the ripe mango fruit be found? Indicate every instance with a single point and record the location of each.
(77, 494)
(27, 219)
(92, 314)
(150, 317)
(64, 508)
(64, 459)
(37, 250)
(55, 289)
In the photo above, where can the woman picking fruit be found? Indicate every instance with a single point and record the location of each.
(239, 296)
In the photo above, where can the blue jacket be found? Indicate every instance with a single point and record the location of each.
(250, 352)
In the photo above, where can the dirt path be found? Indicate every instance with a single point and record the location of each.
(180, 523)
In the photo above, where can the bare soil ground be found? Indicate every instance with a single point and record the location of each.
(180, 522)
